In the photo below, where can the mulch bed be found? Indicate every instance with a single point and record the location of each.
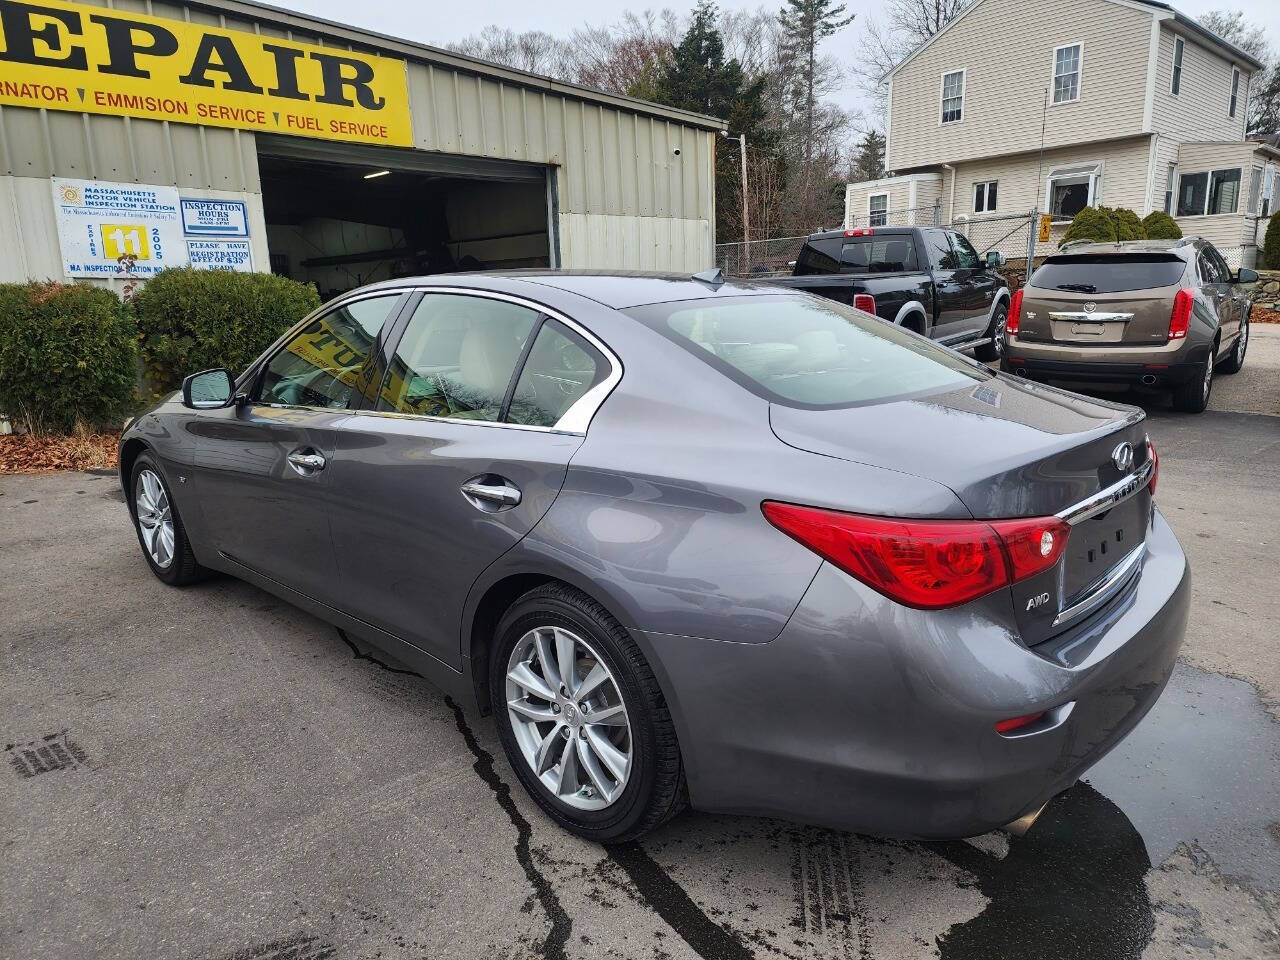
(28, 454)
(1263, 315)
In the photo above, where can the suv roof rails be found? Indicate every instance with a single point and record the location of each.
(1183, 241)
(1073, 243)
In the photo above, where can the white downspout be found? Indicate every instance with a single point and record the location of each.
(951, 205)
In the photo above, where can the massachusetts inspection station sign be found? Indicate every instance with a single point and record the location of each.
(69, 56)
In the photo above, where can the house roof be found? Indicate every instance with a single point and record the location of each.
(1192, 26)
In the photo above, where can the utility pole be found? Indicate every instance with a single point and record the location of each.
(746, 216)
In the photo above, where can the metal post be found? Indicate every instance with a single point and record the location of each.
(746, 217)
(937, 212)
(1032, 233)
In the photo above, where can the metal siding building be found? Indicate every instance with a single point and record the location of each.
(620, 183)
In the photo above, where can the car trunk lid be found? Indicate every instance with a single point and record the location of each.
(1007, 449)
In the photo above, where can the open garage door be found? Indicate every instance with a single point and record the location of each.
(339, 216)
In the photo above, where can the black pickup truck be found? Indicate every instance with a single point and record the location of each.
(929, 279)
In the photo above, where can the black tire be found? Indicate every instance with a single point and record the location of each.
(995, 349)
(655, 789)
(1235, 360)
(1193, 396)
(182, 568)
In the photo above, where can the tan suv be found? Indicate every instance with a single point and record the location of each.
(1159, 314)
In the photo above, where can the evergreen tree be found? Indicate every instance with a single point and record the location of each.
(805, 24)
(868, 162)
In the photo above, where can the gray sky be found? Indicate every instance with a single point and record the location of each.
(424, 22)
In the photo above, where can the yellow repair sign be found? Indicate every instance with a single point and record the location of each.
(71, 56)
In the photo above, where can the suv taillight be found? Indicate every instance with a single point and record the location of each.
(927, 564)
(1180, 318)
(1014, 320)
(865, 302)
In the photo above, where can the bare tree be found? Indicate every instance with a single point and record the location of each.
(623, 57)
(1264, 88)
(1232, 27)
(892, 35)
(533, 50)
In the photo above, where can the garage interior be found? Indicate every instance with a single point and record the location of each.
(340, 216)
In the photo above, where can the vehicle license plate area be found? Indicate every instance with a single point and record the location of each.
(1101, 542)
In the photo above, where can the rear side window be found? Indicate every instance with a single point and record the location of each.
(1099, 273)
(878, 254)
(561, 368)
(809, 352)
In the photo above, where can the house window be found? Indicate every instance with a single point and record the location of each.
(953, 96)
(1066, 73)
(878, 209)
(1216, 192)
(1235, 91)
(1255, 190)
(1270, 190)
(1177, 66)
(984, 197)
(1168, 188)
(1069, 193)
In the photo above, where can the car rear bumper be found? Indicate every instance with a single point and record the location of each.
(869, 716)
(1070, 371)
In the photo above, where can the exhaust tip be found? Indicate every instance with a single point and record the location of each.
(1024, 823)
(1148, 380)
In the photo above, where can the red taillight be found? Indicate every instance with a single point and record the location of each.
(1014, 320)
(860, 232)
(865, 302)
(1017, 723)
(1180, 318)
(1155, 466)
(928, 564)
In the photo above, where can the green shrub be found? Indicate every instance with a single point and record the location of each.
(1128, 225)
(1092, 223)
(1271, 244)
(68, 357)
(1160, 226)
(191, 320)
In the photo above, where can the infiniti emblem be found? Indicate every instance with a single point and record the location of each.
(570, 712)
(1090, 307)
(1122, 456)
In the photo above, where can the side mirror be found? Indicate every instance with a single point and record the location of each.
(1247, 276)
(208, 389)
(995, 259)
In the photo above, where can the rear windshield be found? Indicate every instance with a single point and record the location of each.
(809, 352)
(891, 253)
(1100, 273)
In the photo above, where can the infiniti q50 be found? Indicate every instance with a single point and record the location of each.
(692, 542)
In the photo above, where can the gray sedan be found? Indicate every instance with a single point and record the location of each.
(692, 542)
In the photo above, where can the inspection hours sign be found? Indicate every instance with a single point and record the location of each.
(100, 222)
(91, 59)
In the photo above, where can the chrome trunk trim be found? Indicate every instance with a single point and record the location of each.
(1108, 497)
(1107, 588)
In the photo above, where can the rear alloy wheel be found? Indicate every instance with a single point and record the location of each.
(1193, 396)
(1234, 362)
(581, 717)
(995, 349)
(160, 530)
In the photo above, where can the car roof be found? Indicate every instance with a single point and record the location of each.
(612, 288)
(1179, 248)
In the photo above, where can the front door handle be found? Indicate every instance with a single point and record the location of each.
(306, 463)
(491, 493)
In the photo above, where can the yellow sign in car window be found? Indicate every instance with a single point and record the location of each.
(70, 56)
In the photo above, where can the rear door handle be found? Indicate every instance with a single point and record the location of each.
(306, 463)
(491, 493)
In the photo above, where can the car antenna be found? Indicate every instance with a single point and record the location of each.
(714, 278)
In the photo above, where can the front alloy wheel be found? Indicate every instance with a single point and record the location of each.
(155, 518)
(568, 717)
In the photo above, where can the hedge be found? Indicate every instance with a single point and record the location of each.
(1128, 225)
(1092, 223)
(1271, 244)
(68, 357)
(191, 320)
(1158, 225)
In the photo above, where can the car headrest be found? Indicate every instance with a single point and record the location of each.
(896, 253)
(487, 357)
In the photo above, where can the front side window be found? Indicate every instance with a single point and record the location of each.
(1069, 194)
(561, 368)
(941, 253)
(329, 359)
(1176, 87)
(1235, 91)
(984, 197)
(878, 209)
(966, 257)
(1066, 73)
(1224, 191)
(457, 357)
(953, 96)
(1192, 190)
(808, 352)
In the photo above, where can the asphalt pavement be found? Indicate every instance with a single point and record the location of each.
(210, 773)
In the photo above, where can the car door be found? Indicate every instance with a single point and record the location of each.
(980, 285)
(1215, 280)
(1228, 296)
(463, 450)
(951, 294)
(261, 467)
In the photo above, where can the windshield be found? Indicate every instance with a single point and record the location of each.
(809, 352)
(1103, 273)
